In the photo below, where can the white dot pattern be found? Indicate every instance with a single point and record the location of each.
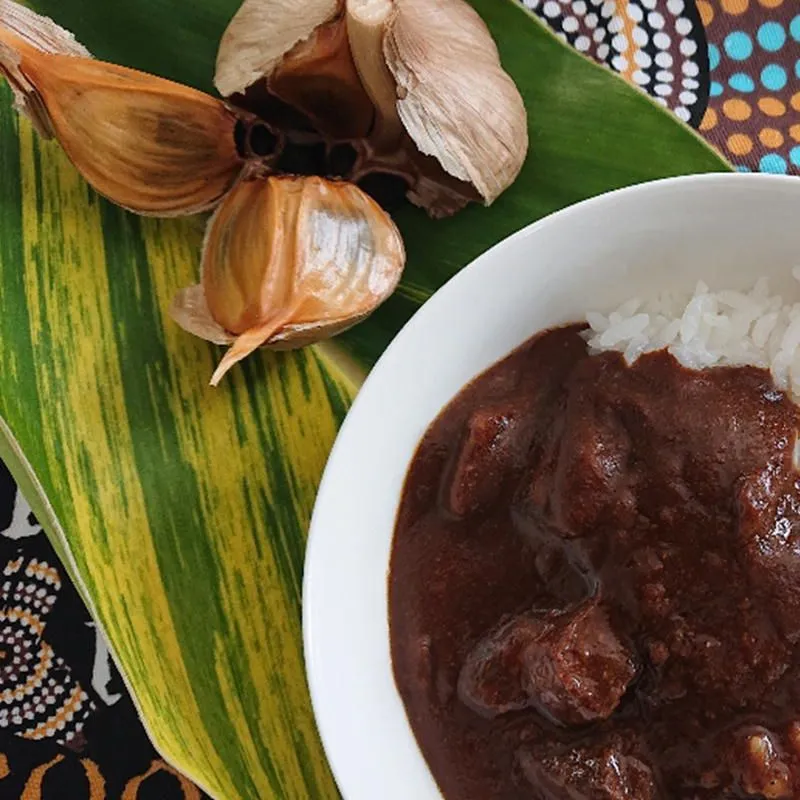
(39, 698)
(655, 44)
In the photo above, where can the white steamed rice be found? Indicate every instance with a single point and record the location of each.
(708, 329)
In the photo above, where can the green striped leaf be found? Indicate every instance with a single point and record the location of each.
(181, 511)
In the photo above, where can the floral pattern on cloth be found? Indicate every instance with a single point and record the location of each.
(729, 68)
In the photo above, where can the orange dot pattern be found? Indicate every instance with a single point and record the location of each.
(34, 704)
(750, 116)
(735, 7)
(706, 12)
(740, 144)
(709, 120)
(737, 110)
(772, 107)
(770, 137)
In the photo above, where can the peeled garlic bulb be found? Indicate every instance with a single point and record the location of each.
(454, 98)
(148, 144)
(289, 261)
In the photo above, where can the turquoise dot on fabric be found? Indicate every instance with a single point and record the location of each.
(797, 68)
(773, 163)
(773, 77)
(771, 36)
(741, 82)
(742, 168)
(715, 90)
(713, 56)
(794, 156)
(794, 28)
(738, 45)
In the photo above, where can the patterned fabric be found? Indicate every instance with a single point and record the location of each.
(658, 46)
(730, 68)
(68, 730)
(40, 698)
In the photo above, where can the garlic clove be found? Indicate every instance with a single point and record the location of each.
(366, 26)
(454, 98)
(318, 78)
(289, 261)
(260, 35)
(148, 144)
(302, 58)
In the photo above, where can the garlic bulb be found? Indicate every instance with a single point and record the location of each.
(147, 144)
(288, 261)
(411, 89)
(443, 113)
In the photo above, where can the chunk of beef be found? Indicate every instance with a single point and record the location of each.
(491, 681)
(592, 465)
(769, 534)
(571, 667)
(490, 448)
(586, 458)
(607, 771)
(758, 765)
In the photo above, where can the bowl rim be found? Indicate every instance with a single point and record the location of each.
(328, 726)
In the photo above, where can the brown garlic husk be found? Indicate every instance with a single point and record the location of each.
(445, 115)
(289, 261)
(147, 144)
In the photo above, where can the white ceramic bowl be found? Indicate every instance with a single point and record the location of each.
(725, 229)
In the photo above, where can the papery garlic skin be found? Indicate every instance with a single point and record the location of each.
(431, 77)
(454, 98)
(149, 145)
(190, 310)
(260, 35)
(38, 31)
(42, 34)
(289, 261)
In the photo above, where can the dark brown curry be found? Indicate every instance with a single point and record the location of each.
(595, 582)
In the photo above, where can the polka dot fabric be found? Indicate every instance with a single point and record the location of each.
(753, 114)
(730, 68)
(658, 45)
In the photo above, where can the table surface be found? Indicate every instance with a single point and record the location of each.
(729, 68)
